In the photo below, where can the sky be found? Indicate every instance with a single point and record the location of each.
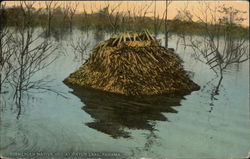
(139, 7)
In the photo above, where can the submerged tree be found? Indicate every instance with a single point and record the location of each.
(167, 3)
(157, 21)
(71, 13)
(6, 50)
(222, 43)
(50, 9)
(80, 46)
(114, 16)
(32, 54)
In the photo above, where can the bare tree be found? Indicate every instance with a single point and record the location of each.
(157, 20)
(6, 50)
(80, 46)
(72, 12)
(139, 16)
(182, 18)
(85, 17)
(184, 15)
(69, 11)
(167, 3)
(50, 8)
(219, 47)
(65, 12)
(32, 54)
(113, 16)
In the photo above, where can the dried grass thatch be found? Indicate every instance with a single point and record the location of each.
(133, 64)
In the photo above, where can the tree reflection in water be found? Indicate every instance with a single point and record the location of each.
(113, 114)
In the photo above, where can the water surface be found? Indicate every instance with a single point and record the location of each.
(193, 126)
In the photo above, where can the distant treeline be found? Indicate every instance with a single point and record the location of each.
(59, 20)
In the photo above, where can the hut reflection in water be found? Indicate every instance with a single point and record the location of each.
(113, 114)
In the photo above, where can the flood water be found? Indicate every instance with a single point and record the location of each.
(193, 126)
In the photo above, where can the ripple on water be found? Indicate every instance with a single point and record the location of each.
(35, 137)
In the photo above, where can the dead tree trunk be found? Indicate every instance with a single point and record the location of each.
(2, 19)
(50, 6)
(167, 3)
(72, 12)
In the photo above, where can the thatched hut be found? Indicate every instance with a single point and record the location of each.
(133, 64)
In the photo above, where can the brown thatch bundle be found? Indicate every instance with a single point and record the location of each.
(133, 64)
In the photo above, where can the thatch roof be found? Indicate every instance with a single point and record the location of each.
(133, 64)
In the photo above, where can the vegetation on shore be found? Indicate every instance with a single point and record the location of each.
(60, 19)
